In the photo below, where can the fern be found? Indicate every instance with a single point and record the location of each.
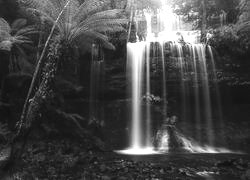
(14, 37)
(88, 20)
(4, 26)
(4, 131)
(244, 26)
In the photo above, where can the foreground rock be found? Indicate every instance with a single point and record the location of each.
(71, 159)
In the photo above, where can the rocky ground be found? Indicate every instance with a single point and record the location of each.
(55, 156)
(71, 159)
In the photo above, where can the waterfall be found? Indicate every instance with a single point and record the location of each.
(96, 84)
(135, 63)
(190, 58)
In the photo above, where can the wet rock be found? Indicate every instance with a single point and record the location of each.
(241, 164)
(4, 156)
(246, 176)
(126, 170)
(228, 163)
(103, 168)
(186, 172)
(39, 157)
(122, 178)
(169, 169)
(94, 160)
(106, 178)
(162, 171)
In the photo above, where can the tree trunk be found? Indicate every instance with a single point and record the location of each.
(37, 103)
(42, 94)
(204, 20)
(45, 89)
(37, 73)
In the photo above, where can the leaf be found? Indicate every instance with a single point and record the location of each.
(18, 24)
(6, 45)
(4, 131)
(4, 35)
(4, 26)
(80, 24)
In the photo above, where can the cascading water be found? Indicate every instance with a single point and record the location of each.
(96, 83)
(137, 59)
(167, 32)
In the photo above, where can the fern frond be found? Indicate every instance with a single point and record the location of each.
(45, 15)
(92, 36)
(114, 13)
(245, 26)
(18, 24)
(29, 30)
(4, 26)
(90, 7)
(89, 19)
(45, 6)
(4, 131)
(98, 23)
(4, 35)
(15, 35)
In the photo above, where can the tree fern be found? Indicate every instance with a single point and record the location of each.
(243, 27)
(17, 33)
(79, 19)
(4, 26)
(13, 38)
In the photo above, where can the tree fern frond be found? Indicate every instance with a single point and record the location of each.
(87, 33)
(85, 43)
(71, 11)
(4, 131)
(42, 13)
(245, 26)
(17, 36)
(21, 51)
(108, 21)
(4, 26)
(27, 31)
(18, 24)
(114, 13)
(105, 16)
(46, 6)
(22, 41)
(89, 20)
(89, 7)
(5, 45)
(4, 35)
(98, 23)
(110, 29)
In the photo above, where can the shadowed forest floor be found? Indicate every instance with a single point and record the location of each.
(72, 160)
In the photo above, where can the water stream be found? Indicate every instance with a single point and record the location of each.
(166, 41)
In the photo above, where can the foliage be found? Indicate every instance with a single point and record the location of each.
(192, 10)
(225, 38)
(80, 24)
(143, 4)
(231, 40)
(78, 27)
(15, 38)
(75, 26)
(4, 131)
(232, 45)
(244, 8)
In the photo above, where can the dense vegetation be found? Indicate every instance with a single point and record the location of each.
(46, 47)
